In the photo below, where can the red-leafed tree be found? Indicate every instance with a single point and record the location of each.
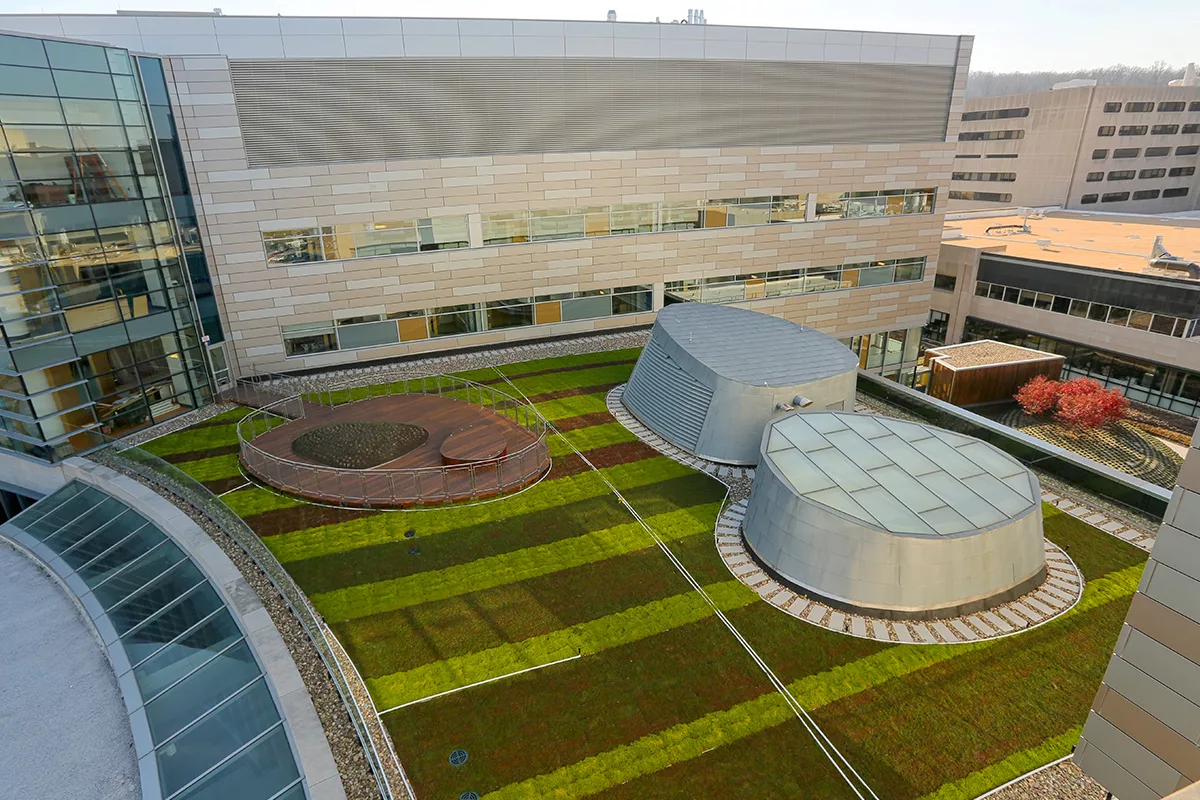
(1080, 402)
(1038, 396)
(1079, 386)
(1093, 409)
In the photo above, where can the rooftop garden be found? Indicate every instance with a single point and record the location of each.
(662, 702)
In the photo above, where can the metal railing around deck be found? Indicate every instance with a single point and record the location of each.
(395, 486)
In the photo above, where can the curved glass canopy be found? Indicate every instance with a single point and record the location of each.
(213, 720)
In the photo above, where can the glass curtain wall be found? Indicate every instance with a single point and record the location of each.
(166, 136)
(97, 325)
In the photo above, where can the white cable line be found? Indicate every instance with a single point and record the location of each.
(575, 657)
(806, 720)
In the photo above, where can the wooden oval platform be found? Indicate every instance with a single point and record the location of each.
(420, 477)
(474, 444)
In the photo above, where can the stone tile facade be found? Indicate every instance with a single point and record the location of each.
(237, 204)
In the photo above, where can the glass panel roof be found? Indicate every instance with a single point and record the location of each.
(190, 660)
(902, 476)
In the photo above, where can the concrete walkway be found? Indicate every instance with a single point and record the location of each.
(64, 731)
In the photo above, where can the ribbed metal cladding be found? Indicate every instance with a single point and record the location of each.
(295, 111)
(667, 398)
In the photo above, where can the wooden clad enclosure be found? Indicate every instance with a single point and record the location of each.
(989, 376)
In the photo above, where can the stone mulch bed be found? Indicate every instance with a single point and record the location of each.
(359, 445)
(1063, 781)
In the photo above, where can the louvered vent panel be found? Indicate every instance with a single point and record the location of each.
(665, 397)
(295, 111)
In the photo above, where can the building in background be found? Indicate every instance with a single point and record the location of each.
(1087, 287)
(1103, 148)
(1141, 740)
(373, 188)
(100, 260)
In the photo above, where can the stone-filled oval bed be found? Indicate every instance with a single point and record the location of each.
(359, 445)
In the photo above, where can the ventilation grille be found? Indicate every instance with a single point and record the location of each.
(295, 111)
(666, 398)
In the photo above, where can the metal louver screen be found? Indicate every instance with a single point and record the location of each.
(295, 111)
(666, 398)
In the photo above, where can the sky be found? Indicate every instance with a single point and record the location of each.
(1010, 35)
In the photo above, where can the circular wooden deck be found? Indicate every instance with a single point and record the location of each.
(472, 453)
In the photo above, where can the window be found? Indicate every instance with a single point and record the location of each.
(1002, 155)
(990, 136)
(313, 337)
(1097, 155)
(1114, 197)
(1164, 130)
(853, 205)
(968, 155)
(984, 197)
(1152, 173)
(998, 177)
(1157, 152)
(1182, 172)
(1177, 192)
(1139, 108)
(1171, 106)
(1187, 150)
(1112, 108)
(996, 113)
(1146, 194)
(1092, 177)
(1193, 128)
(1122, 174)
(1106, 130)
(1195, 106)
(1088, 199)
(945, 283)
(1132, 130)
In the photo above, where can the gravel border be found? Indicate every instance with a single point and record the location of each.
(1062, 781)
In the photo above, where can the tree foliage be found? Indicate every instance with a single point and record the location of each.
(992, 84)
(1081, 402)
(1038, 396)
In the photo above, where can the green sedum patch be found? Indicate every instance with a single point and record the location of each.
(376, 598)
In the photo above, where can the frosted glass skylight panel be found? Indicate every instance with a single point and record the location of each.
(894, 516)
(863, 452)
(777, 441)
(946, 520)
(949, 459)
(906, 477)
(800, 434)
(825, 423)
(962, 499)
(801, 472)
(996, 493)
(866, 425)
(837, 499)
(905, 430)
(906, 489)
(841, 469)
(1020, 485)
(991, 461)
(903, 454)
